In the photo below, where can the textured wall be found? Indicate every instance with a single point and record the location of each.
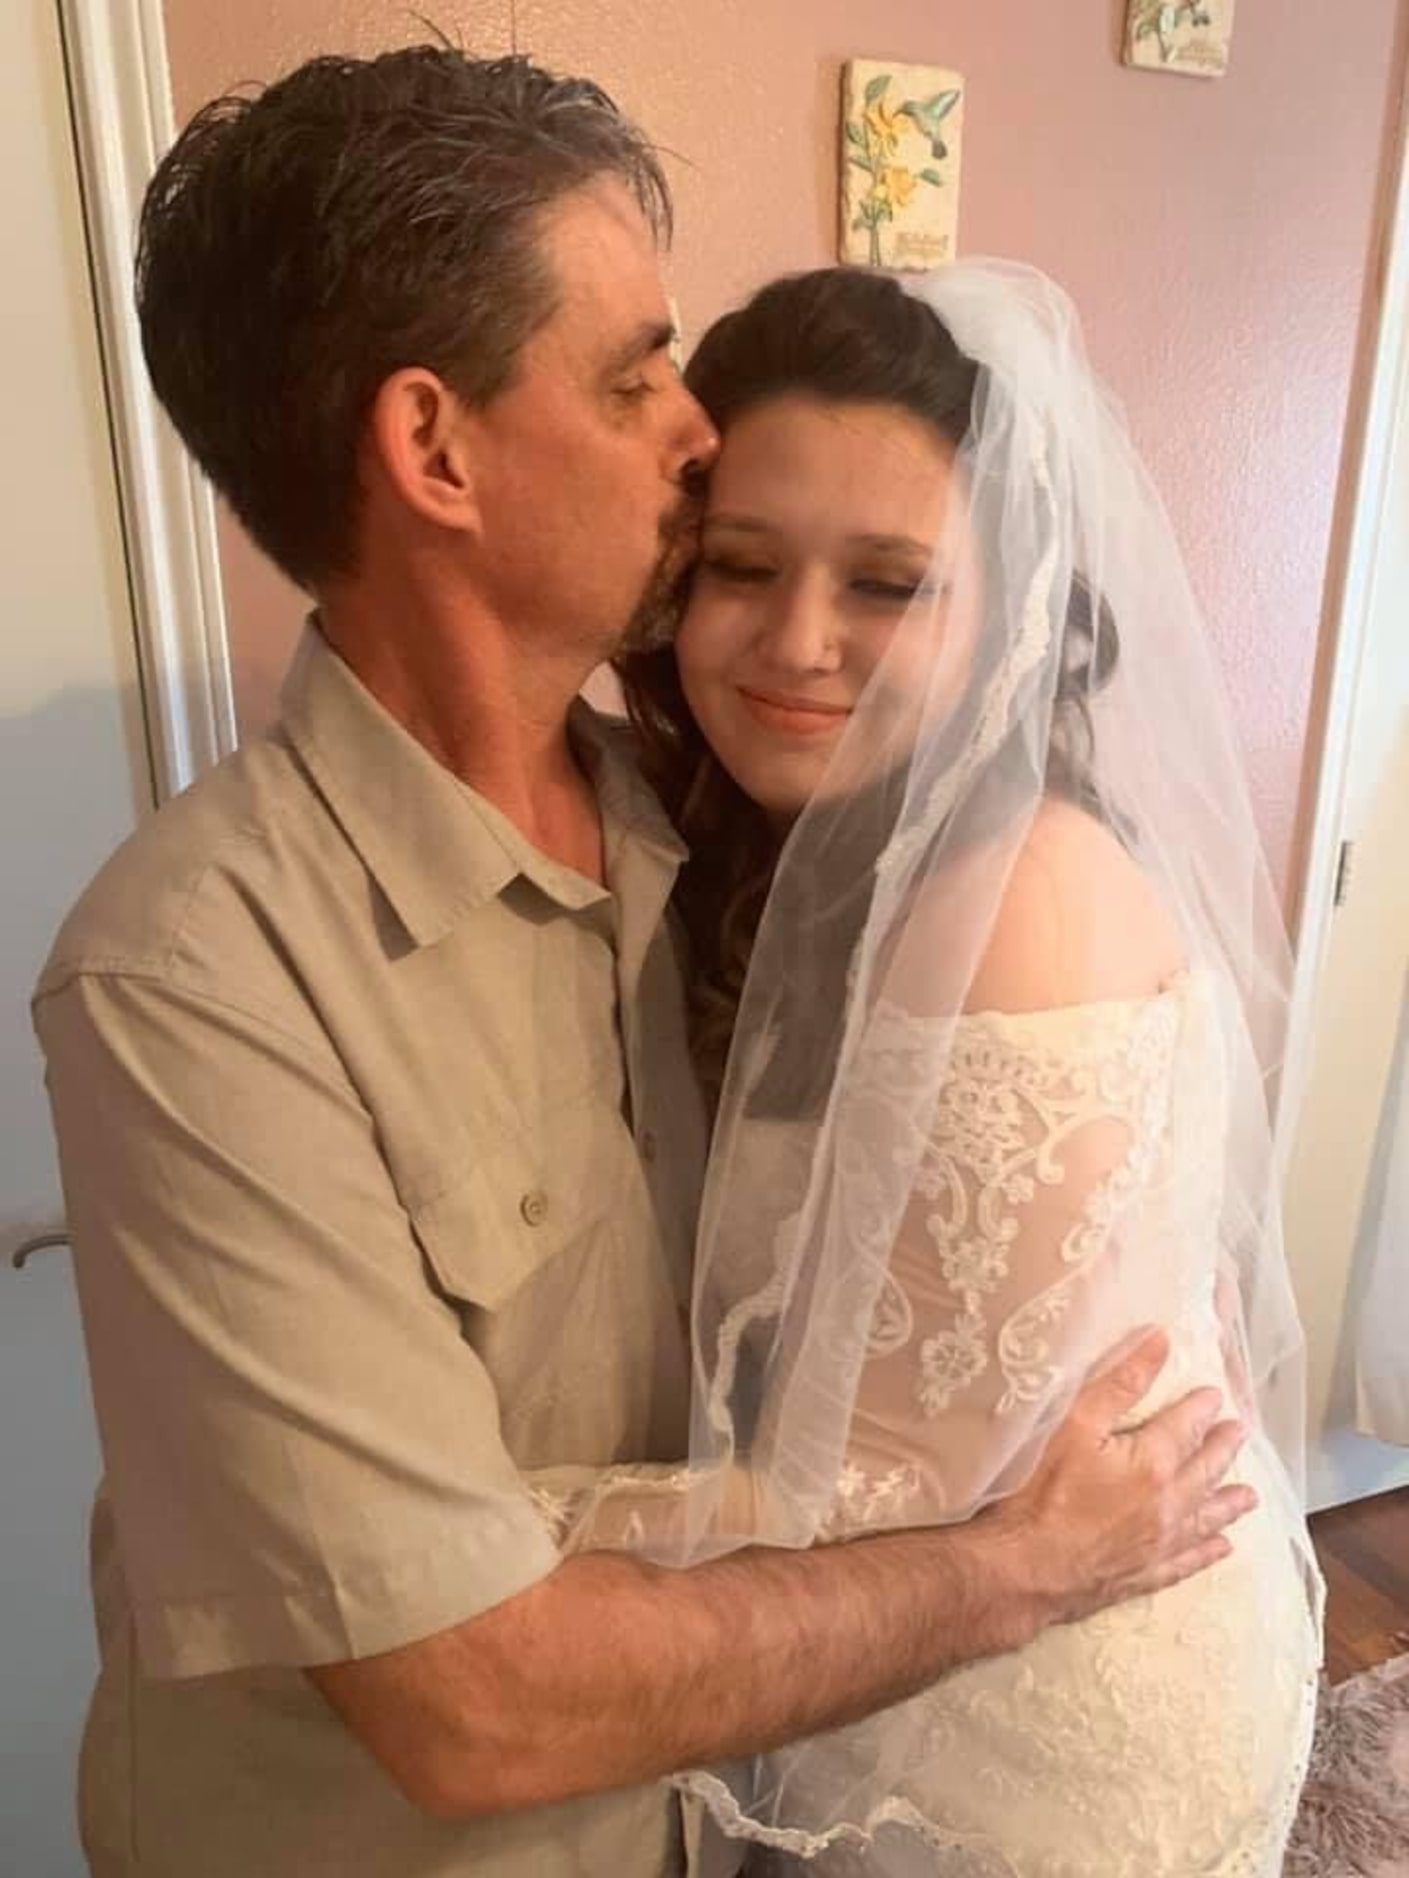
(1218, 237)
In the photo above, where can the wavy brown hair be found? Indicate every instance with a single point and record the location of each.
(843, 336)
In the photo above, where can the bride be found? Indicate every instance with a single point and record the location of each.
(987, 985)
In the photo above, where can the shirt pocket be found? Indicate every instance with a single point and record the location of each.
(524, 1205)
(551, 1253)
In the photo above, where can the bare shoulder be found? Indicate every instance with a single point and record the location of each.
(1080, 922)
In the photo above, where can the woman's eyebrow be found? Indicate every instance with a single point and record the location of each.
(743, 524)
(906, 544)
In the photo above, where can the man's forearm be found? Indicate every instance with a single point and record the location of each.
(765, 1647)
(612, 1672)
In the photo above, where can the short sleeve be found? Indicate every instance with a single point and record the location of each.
(302, 1450)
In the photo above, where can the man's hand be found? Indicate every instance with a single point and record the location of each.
(1111, 1515)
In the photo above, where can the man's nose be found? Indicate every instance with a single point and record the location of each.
(698, 439)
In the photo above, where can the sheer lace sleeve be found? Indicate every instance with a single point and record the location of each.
(611, 1508)
(1014, 1268)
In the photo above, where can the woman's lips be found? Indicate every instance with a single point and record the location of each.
(794, 717)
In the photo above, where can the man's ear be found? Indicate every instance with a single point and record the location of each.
(421, 442)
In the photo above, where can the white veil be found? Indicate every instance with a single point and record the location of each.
(884, 899)
(880, 912)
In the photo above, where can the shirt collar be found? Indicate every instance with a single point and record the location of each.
(436, 848)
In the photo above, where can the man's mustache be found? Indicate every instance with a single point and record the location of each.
(680, 526)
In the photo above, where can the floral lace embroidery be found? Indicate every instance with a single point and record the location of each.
(1004, 1116)
(569, 1500)
(870, 1500)
(892, 1322)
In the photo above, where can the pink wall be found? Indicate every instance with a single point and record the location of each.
(1219, 238)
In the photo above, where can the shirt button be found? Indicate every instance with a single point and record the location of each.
(534, 1207)
(648, 1146)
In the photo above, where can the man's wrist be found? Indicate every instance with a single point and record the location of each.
(1013, 1598)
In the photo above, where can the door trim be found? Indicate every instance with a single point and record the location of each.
(120, 95)
(1351, 670)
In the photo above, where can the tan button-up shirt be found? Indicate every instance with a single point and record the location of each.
(381, 1154)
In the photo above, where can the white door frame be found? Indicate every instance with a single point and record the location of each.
(119, 83)
(1340, 1054)
(1350, 674)
(1338, 1065)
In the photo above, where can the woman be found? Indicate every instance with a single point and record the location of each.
(987, 975)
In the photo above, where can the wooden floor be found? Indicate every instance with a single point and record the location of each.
(1364, 1553)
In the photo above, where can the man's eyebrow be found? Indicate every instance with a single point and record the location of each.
(650, 337)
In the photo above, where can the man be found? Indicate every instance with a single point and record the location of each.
(367, 1061)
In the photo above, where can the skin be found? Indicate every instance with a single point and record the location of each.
(818, 571)
(511, 546)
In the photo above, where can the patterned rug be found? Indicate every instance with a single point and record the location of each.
(1354, 1817)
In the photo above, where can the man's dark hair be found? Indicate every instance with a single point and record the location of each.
(361, 215)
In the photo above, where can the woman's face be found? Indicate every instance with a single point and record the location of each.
(820, 538)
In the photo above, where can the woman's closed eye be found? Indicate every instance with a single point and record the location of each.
(891, 588)
(895, 589)
(741, 573)
(887, 590)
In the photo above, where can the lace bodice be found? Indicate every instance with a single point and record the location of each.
(1066, 1146)
(1068, 1191)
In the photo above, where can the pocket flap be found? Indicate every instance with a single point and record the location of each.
(522, 1204)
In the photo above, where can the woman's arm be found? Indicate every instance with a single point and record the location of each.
(1025, 1253)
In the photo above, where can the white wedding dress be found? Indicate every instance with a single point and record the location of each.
(1162, 1738)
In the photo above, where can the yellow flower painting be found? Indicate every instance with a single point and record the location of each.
(893, 188)
(902, 127)
(884, 126)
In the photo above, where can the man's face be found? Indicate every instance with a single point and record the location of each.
(586, 508)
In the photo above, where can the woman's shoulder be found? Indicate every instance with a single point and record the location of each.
(1080, 922)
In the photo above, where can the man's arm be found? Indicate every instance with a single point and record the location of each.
(611, 1671)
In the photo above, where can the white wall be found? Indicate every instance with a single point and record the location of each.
(73, 779)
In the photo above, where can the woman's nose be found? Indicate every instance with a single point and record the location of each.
(799, 632)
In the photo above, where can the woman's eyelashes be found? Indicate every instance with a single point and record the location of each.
(892, 588)
(887, 589)
(742, 573)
